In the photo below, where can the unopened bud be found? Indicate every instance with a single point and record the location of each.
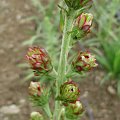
(39, 60)
(36, 116)
(39, 96)
(35, 89)
(69, 92)
(84, 62)
(74, 110)
(82, 26)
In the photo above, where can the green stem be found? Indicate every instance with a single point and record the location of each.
(60, 113)
(64, 49)
(48, 111)
(63, 59)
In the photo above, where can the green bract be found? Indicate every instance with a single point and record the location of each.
(38, 95)
(73, 3)
(77, 4)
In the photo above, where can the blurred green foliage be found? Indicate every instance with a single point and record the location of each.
(105, 41)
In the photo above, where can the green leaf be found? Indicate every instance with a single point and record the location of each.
(109, 53)
(31, 40)
(38, 5)
(118, 87)
(61, 20)
(106, 78)
(23, 65)
(31, 18)
(116, 65)
(103, 61)
(29, 76)
(42, 99)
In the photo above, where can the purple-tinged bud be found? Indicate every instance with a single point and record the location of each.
(82, 26)
(84, 21)
(34, 89)
(39, 60)
(84, 62)
(69, 92)
(74, 110)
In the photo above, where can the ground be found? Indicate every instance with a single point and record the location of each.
(101, 103)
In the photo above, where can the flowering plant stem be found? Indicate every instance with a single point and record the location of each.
(47, 111)
(63, 58)
(67, 103)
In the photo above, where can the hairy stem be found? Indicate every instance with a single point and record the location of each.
(48, 111)
(63, 59)
(64, 49)
(60, 113)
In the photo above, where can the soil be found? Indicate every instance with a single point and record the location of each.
(100, 104)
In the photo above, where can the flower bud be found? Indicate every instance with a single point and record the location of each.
(39, 60)
(82, 26)
(38, 95)
(74, 110)
(69, 92)
(84, 21)
(76, 4)
(83, 62)
(35, 89)
(36, 116)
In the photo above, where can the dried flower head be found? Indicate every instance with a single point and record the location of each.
(39, 60)
(84, 62)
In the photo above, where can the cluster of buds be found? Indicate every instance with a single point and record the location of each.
(77, 4)
(69, 95)
(39, 60)
(82, 26)
(84, 62)
(38, 95)
(69, 92)
(36, 116)
(74, 110)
